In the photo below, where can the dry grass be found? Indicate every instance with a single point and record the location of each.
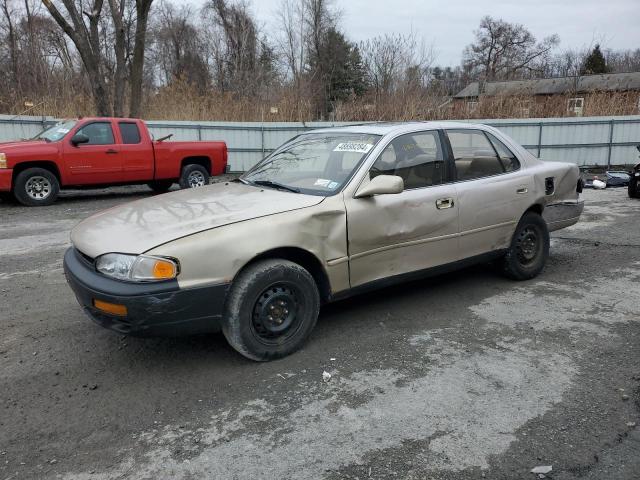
(181, 101)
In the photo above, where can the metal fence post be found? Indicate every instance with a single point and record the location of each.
(539, 138)
(611, 123)
(199, 133)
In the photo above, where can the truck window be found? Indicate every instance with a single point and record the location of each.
(129, 132)
(99, 133)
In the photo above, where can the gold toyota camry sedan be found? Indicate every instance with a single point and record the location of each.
(330, 213)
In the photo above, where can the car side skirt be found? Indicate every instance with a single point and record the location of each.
(417, 275)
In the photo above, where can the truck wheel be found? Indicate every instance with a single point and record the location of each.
(160, 186)
(36, 187)
(633, 188)
(529, 248)
(194, 176)
(271, 309)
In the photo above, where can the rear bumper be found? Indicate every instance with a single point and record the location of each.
(563, 214)
(153, 309)
(6, 174)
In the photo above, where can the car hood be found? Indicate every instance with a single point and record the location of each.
(139, 226)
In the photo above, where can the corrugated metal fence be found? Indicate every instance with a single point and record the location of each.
(582, 140)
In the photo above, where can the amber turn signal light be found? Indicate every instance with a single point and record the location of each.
(110, 308)
(163, 269)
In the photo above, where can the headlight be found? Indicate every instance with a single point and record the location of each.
(3, 160)
(137, 268)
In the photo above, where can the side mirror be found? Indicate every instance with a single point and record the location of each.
(79, 138)
(381, 185)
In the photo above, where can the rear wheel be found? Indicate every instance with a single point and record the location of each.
(529, 249)
(271, 309)
(160, 186)
(36, 187)
(194, 176)
(633, 187)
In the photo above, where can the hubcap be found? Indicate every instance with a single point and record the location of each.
(275, 314)
(528, 245)
(38, 188)
(196, 179)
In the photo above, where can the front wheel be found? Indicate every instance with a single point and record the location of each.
(529, 249)
(271, 309)
(36, 187)
(633, 187)
(194, 176)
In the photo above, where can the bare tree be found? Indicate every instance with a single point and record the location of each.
(505, 50)
(84, 22)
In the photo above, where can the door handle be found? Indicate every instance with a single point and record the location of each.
(111, 151)
(522, 190)
(443, 203)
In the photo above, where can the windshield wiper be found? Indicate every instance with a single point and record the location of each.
(280, 186)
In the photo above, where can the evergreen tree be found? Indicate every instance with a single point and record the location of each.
(594, 63)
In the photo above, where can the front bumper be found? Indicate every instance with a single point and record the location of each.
(563, 214)
(153, 309)
(6, 174)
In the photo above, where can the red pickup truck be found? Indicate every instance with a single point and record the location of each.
(93, 152)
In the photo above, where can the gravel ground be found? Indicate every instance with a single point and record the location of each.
(463, 376)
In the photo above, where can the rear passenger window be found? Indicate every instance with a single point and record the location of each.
(509, 160)
(473, 154)
(129, 132)
(416, 157)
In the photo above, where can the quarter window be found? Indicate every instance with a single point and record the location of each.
(416, 157)
(99, 133)
(473, 155)
(509, 161)
(129, 132)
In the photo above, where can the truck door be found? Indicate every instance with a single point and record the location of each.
(136, 152)
(97, 161)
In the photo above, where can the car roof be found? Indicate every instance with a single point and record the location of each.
(385, 128)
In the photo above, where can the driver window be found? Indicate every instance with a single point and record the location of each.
(416, 157)
(99, 133)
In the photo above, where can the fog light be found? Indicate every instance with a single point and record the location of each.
(110, 308)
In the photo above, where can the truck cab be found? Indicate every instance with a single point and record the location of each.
(93, 152)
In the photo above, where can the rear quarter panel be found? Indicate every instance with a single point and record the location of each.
(169, 156)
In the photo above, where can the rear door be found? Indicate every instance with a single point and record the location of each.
(136, 152)
(96, 162)
(417, 229)
(492, 192)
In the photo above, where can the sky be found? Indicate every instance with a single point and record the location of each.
(448, 26)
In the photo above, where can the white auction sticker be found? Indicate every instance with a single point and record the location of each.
(322, 182)
(357, 147)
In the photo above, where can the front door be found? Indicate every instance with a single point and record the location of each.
(492, 194)
(96, 162)
(417, 229)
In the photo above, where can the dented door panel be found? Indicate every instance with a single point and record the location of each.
(395, 234)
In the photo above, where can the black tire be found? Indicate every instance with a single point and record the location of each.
(36, 187)
(257, 322)
(160, 186)
(193, 176)
(529, 249)
(633, 187)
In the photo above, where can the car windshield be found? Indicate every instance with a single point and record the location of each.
(313, 163)
(57, 132)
